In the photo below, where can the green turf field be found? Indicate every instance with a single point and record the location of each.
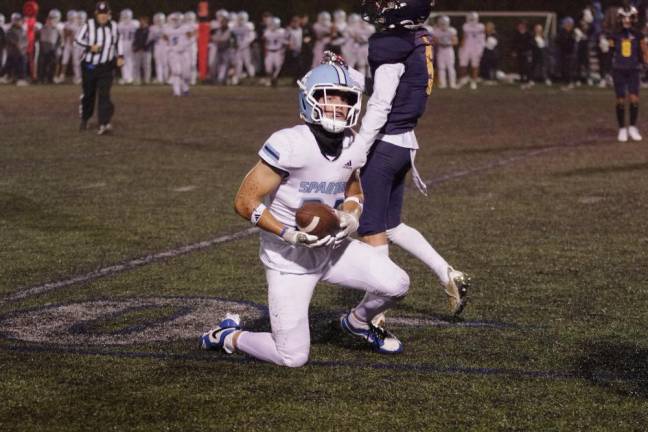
(117, 252)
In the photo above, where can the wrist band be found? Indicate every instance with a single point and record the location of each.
(283, 231)
(356, 200)
(257, 213)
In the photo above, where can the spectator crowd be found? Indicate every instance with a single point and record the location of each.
(241, 50)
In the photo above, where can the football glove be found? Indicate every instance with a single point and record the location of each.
(349, 224)
(299, 238)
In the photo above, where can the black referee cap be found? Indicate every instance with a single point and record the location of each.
(102, 7)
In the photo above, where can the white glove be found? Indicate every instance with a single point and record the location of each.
(299, 238)
(349, 224)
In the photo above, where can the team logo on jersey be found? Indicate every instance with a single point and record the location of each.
(348, 165)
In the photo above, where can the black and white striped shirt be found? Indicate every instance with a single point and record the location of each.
(106, 36)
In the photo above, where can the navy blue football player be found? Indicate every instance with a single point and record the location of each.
(401, 62)
(629, 53)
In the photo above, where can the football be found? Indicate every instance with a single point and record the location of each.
(317, 219)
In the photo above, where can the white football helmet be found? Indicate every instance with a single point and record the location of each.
(71, 15)
(324, 18)
(159, 19)
(126, 15)
(472, 17)
(444, 22)
(275, 23)
(2, 19)
(339, 16)
(354, 19)
(82, 16)
(54, 15)
(175, 19)
(189, 17)
(317, 84)
(16, 17)
(243, 17)
(222, 13)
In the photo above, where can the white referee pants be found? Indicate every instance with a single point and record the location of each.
(353, 265)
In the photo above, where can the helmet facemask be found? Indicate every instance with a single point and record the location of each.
(334, 117)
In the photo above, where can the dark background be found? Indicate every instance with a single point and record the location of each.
(284, 8)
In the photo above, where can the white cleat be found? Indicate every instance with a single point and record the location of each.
(473, 85)
(623, 135)
(634, 133)
(457, 290)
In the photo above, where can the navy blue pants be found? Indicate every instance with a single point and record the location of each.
(383, 183)
(626, 81)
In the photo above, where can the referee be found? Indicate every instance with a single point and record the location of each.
(103, 52)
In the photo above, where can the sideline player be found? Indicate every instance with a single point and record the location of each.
(445, 39)
(179, 41)
(472, 47)
(630, 51)
(401, 61)
(127, 27)
(316, 161)
(275, 50)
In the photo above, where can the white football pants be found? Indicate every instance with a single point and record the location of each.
(273, 62)
(353, 265)
(180, 68)
(128, 69)
(243, 59)
(470, 56)
(161, 63)
(446, 67)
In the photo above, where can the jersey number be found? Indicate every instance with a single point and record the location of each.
(626, 48)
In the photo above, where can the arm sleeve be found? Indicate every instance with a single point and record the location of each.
(82, 37)
(386, 81)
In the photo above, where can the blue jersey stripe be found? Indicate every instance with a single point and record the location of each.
(271, 151)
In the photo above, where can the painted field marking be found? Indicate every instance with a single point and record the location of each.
(23, 293)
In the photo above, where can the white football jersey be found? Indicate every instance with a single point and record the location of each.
(127, 31)
(244, 34)
(311, 178)
(444, 36)
(275, 40)
(178, 39)
(474, 35)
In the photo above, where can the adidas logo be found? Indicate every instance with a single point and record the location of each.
(348, 165)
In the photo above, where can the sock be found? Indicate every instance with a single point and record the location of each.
(356, 322)
(620, 112)
(413, 242)
(372, 305)
(634, 114)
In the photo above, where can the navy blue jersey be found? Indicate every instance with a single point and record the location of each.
(414, 50)
(627, 49)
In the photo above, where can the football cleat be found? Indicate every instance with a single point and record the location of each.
(214, 339)
(634, 134)
(623, 135)
(380, 339)
(457, 290)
